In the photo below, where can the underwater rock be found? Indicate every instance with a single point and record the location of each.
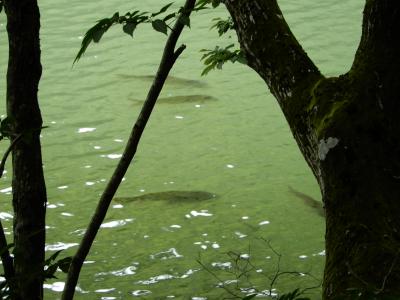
(196, 99)
(309, 201)
(170, 196)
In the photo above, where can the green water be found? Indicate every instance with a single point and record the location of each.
(236, 146)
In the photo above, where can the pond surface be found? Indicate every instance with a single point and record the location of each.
(219, 141)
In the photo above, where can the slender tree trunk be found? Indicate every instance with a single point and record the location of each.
(168, 59)
(348, 131)
(29, 192)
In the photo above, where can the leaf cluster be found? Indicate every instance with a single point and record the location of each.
(214, 3)
(217, 57)
(223, 26)
(131, 20)
(51, 265)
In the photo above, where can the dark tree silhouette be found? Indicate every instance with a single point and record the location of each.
(348, 130)
(29, 191)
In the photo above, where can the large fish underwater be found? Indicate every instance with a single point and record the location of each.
(309, 201)
(170, 196)
(171, 80)
(194, 99)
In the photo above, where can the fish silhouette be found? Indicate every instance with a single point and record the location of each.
(194, 99)
(170, 196)
(309, 201)
(171, 80)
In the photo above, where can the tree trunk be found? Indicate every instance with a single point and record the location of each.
(348, 131)
(29, 192)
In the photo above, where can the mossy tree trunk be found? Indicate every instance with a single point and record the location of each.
(29, 192)
(348, 130)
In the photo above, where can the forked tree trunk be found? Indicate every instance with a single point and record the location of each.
(348, 130)
(29, 192)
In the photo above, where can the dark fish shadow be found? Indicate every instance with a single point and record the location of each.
(316, 205)
(170, 196)
(182, 99)
(171, 80)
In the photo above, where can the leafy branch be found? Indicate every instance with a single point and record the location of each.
(223, 25)
(216, 58)
(51, 265)
(214, 3)
(131, 20)
(219, 55)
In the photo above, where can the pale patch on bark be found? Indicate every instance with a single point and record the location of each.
(325, 145)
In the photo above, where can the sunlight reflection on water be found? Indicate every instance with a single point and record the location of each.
(170, 253)
(116, 223)
(59, 246)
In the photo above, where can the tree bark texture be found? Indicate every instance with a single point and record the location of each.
(347, 129)
(29, 191)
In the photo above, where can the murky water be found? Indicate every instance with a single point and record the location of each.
(228, 139)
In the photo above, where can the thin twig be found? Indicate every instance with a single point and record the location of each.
(7, 153)
(223, 286)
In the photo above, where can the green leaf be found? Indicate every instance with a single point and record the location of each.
(163, 9)
(170, 16)
(207, 69)
(215, 3)
(49, 273)
(160, 26)
(223, 26)
(64, 264)
(129, 27)
(95, 33)
(241, 59)
(98, 34)
(115, 18)
(202, 3)
(217, 57)
(52, 257)
(185, 20)
(132, 13)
